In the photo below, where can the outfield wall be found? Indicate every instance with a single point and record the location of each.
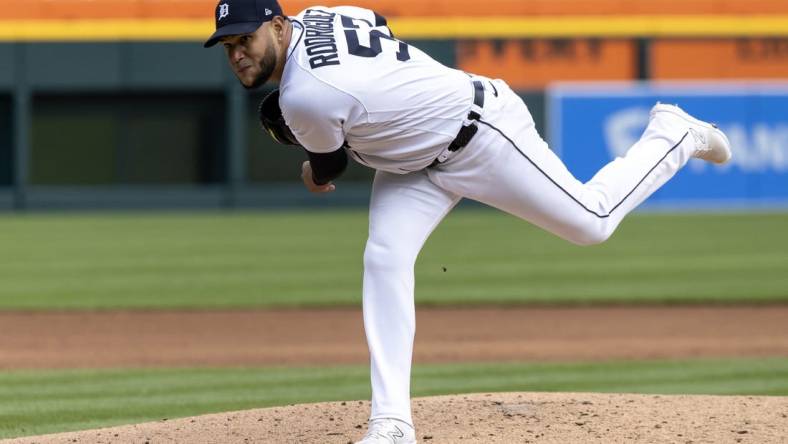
(592, 124)
(98, 108)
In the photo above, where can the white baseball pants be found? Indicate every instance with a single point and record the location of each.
(508, 166)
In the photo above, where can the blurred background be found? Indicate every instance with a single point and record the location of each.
(115, 104)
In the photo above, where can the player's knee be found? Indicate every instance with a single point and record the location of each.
(591, 235)
(380, 255)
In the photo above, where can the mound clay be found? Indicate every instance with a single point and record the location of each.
(482, 418)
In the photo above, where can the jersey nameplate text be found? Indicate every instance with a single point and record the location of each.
(321, 46)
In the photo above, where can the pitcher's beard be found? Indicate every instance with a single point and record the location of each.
(267, 65)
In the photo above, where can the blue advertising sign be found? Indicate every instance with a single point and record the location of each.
(591, 124)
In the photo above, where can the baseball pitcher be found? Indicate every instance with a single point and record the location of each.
(349, 88)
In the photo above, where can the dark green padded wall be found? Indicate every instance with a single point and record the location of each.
(146, 113)
(7, 65)
(112, 66)
(92, 139)
(6, 141)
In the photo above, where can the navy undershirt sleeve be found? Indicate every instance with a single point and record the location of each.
(327, 166)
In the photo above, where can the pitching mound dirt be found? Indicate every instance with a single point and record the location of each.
(481, 418)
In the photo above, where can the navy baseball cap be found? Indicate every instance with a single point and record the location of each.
(234, 17)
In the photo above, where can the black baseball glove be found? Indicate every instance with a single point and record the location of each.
(271, 118)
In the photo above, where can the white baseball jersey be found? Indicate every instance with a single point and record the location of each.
(348, 81)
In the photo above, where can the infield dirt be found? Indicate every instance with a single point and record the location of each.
(336, 336)
(315, 337)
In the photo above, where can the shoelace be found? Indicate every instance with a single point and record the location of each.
(378, 430)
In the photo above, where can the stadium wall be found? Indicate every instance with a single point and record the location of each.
(97, 109)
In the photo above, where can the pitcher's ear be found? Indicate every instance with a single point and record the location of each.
(279, 26)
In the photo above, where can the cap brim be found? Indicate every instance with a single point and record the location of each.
(232, 29)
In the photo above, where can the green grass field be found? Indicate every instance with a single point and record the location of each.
(209, 260)
(50, 401)
(278, 259)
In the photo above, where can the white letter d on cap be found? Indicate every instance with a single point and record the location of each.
(224, 10)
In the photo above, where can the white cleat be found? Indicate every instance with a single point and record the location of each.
(711, 144)
(389, 431)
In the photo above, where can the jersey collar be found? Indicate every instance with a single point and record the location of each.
(297, 27)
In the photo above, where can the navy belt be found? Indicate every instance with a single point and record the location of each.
(468, 131)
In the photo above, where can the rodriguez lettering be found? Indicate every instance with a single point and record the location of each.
(321, 46)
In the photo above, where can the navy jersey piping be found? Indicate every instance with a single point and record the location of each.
(601, 216)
